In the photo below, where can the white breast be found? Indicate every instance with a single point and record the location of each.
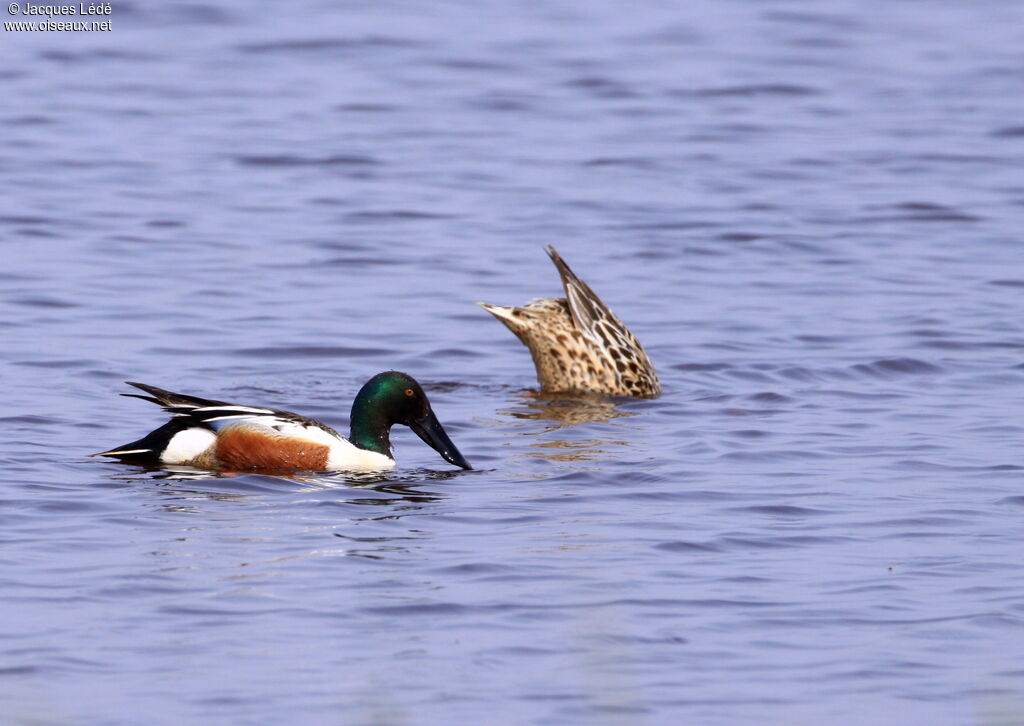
(343, 455)
(346, 456)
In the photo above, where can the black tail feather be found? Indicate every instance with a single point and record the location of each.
(144, 398)
(169, 399)
(147, 450)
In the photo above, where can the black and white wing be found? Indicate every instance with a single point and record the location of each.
(208, 413)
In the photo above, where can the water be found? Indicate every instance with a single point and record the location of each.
(809, 214)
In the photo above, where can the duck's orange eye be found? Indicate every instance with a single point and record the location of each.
(410, 392)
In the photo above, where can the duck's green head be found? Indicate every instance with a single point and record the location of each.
(396, 398)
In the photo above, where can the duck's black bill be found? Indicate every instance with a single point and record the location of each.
(429, 429)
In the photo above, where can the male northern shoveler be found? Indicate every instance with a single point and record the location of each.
(225, 436)
(577, 342)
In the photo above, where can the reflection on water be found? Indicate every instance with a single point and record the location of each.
(562, 411)
(394, 494)
(136, 472)
(581, 450)
(360, 488)
(375, 548)
(562, 415)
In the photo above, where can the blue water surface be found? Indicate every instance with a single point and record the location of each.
(810, 214)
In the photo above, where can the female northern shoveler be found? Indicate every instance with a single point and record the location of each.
(225, 436)
(577, 343)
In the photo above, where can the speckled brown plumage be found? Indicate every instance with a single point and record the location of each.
(577, 342)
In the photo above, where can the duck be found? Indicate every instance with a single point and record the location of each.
(578, 344)
(220, 436)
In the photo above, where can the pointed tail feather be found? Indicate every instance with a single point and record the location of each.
(147, 450)
(585, 306)
(117, 453)
(170, 400)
